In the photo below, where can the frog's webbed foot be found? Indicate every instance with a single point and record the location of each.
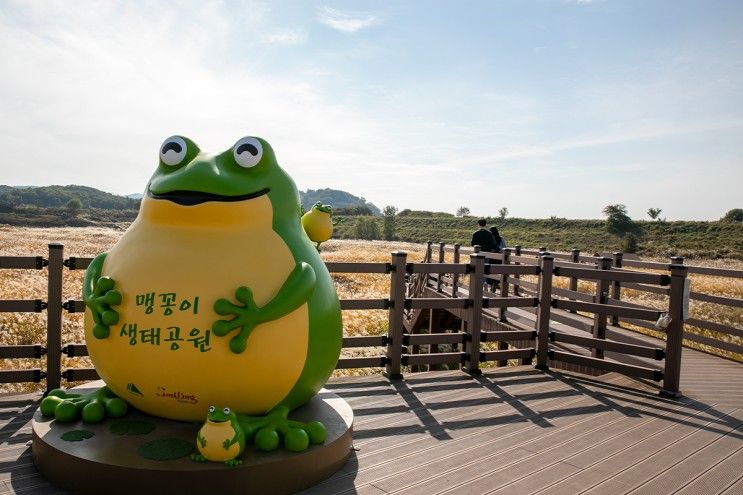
(100, 302)
(275, 428)
(198, 458)
(92, 407)
(233, 462)
(245, 320)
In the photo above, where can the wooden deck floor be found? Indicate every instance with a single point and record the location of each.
(513, 430)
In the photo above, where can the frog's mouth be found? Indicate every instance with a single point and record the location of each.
(191, 198)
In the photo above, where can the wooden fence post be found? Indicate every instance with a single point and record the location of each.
(675, 332)
(544, 290)
(54, 317)
(395, 322)
(504, 283)
(616, 287)
(517, 252)
(455, 277)
(602, 293)
(575, 258)
(474, 316)
(441, 260)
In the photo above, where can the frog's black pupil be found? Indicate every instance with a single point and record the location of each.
(172, 145)
(247, 147)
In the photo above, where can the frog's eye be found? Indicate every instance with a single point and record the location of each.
(212, 409)
(226, 410)
(173, 150)
(247, 152)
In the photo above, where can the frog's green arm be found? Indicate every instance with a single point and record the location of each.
(296, 290)
(99, 296)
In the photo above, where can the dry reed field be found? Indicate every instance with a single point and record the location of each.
(29, 328)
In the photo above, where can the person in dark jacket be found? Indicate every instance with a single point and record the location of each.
(500, 242)
(483, 238)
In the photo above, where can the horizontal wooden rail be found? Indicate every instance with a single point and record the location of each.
(343, 267)
(510, 302)
(74, 263)
(648, 265)
(573, 294)
(22, 351)
(365, 341)
(715, 272)
(23, 262)
(654, 289)
(361, 362)
(505, 355)
(511, 270)
(75, 350)
(434, 338)
(719, 344)
(725, 301)
(640, 323)
(508, 335)
(609, 345)
(607, 309)
(365, 303)
(715, 327)
(80, 374)
(603, 364)
(22, 306)
(19, 376)
(613, 275)
(436, 303)
(437, 268)
(435, 358)
(525, 260)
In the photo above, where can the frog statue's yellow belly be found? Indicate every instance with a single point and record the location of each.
(171, 266)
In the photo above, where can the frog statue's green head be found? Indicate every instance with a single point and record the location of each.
(215, 294)
(225, 181)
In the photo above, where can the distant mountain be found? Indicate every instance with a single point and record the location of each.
(59, 196)
(334, 198)
(136, 196)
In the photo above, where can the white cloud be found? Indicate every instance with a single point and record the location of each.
(348, 22)
(285, 37)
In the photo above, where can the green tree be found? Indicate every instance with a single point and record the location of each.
(366, 228)
(734, 215)
(654, 213)
(73, 207)
(629, 243)
(502, 213)
(463, 211)
(389, 222)
(617, 220)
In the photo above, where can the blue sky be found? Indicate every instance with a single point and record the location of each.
(546, 107)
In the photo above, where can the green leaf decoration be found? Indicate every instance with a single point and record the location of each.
(165, 449)
(76, 435)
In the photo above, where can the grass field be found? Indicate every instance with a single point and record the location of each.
(29, 328)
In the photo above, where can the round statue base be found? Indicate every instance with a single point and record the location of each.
(110, 462)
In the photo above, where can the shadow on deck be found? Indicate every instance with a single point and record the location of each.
(511, 430)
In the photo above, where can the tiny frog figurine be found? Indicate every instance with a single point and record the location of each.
(215, 294)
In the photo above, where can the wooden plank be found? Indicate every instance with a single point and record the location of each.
(21, 306)
(652, 460)
(715, 272)
(435, 338)
(602, 364)
(725, 301)
(613, 275)
(437, 358)
(21, 351)
(460, 268)
(364, 303)
(648, 265)
(511, 270)
(22, 262)
(365, 341)
(719, 344)
(504, 355)
(609, 345)
(654, 289)
(436, 303)
(508, 335)
(693, 466)
(21, 376)
(607, 309)
(75, 263)
(361, 362)
(344, 267)
(510, 302)
(715, 327)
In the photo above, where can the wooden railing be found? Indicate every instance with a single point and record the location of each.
(459, 287)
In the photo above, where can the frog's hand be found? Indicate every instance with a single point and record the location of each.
(296, 291)
(99, 296)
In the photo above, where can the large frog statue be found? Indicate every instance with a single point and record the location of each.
(214, 295)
